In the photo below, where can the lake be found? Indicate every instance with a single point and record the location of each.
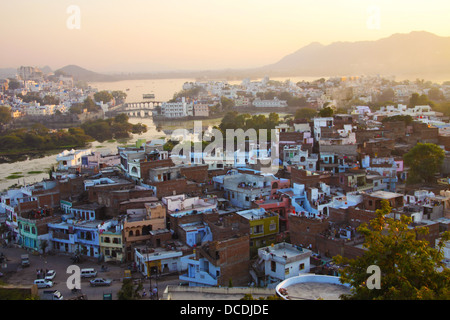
(31, 171)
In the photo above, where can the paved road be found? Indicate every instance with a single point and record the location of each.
(15, 274)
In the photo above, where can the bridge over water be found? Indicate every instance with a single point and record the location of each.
(138, 109)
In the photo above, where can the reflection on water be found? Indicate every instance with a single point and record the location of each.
(26, 171)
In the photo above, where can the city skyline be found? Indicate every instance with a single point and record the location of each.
(197, 35)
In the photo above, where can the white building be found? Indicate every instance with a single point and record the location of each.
(283, 261)
(275, 103)
(72, 158)
(38, 110)
(294, 155)
(177, 109)
(150, 262)
(320, 123)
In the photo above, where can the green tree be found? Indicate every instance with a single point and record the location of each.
(129, 291)
(121, 118)
(305, 113)
(90, 105)
(139, 128)
(50, 100)
(387, 95)
(5, 114)
(410, 268)
(226, 103)
(406, 118)
(424, 161)
(103, 95)
(76, 108)
(119, 96)
(14, 84)
(419, 100)
(326, 112)
(436, 94)
(10, 142)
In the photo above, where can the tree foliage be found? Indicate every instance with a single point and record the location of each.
(406, 118)
(119, 96)
(129, 291)
(5, 114)
(326, 112)
(424, 161)
(410, 268)
(39, 138)
(245, 121)
(305, 113)
(104, 96)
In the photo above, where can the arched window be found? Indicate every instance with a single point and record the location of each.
(130, 233)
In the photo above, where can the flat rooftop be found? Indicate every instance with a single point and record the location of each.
(312, 287)
(285, 250)
(173, 292)
(385, 194)
(316, 291)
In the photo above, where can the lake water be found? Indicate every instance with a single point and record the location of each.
(163, 89)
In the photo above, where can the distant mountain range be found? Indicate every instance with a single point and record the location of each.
(418, 54)
(82, 74)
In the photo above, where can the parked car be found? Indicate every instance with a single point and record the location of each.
(42, 283)
(100, 282)
(88, 273)
(25, 260)
(50, 275)
(52, 295)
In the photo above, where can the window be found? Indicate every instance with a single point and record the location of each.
(272, 226)
(301, 266)
(273, 266)
(258, 229)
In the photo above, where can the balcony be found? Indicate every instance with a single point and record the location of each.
(60, 236)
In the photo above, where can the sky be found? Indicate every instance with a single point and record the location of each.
(112, 36)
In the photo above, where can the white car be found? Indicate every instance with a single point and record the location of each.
(42, 283)
(50, 275)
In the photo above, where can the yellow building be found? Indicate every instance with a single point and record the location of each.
(264, 227)
(112, 244)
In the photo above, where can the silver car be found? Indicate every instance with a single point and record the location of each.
(42, 283)
(100, 282)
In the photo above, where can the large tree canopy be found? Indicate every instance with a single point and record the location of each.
(410, 268)
(424, 161)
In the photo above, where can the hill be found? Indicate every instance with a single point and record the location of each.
(415, 53)
(81, 74)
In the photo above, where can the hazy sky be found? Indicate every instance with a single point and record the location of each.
(148, 35)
